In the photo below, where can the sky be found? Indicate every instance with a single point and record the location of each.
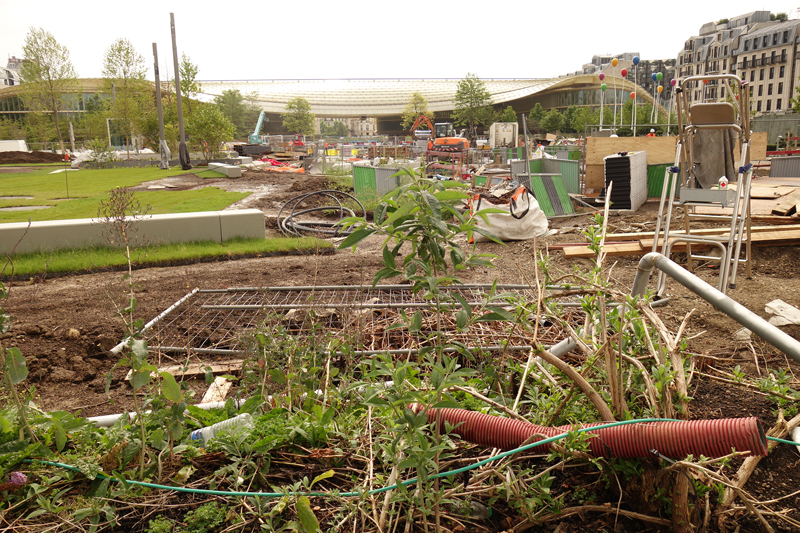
(313, 39)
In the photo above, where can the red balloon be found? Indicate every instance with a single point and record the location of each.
(624, 72)
(633, 95)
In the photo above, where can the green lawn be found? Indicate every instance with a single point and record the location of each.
(88, 187)
(101, 257)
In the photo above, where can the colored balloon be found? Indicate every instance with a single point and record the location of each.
(673, 81)
(602, 76)
(654, 77)
(633, 95)
(603, 87)
(659, 76)
(635, 60)
(624, 72)
(660, 88)
(614, 62)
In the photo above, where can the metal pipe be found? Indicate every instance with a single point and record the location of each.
(730, 307)
(366, 288)
(118, 348)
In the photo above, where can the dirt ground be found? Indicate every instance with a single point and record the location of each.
(65, 326)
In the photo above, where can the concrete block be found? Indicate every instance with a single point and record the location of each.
(216, 226)
(229, 170)
(246, 223)
(180, 227)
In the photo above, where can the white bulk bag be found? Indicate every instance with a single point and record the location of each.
(522, 218)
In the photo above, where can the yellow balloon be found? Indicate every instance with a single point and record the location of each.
(660, 88)
(614, 62)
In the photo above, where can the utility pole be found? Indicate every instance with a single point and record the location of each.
(182, 149)
(165, 153)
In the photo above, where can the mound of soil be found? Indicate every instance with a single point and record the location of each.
(20, 158)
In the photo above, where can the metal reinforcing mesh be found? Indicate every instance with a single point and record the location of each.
(221, 321)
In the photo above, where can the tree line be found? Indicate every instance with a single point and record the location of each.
(126, 105)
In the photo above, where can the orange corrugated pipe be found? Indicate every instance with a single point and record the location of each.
(711, 438)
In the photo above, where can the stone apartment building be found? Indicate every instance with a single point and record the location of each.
(763, 53)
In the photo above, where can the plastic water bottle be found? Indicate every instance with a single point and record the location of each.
(723, 182)
(244, 420)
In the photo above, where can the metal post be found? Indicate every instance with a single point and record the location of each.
(164, 149)
(182, 149)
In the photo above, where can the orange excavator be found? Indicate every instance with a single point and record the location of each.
(443, 136)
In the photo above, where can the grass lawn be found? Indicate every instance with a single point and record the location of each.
(88, 187)
(100, 257)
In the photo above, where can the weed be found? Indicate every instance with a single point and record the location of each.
(205, 519)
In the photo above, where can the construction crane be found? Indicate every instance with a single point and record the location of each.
(255, 137)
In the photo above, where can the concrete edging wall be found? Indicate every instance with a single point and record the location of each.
(217, 226)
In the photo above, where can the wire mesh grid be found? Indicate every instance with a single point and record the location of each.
(221, 321)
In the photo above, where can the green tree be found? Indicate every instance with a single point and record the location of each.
(415, 107)
(781, 17)
(149, 124)
(11, 129)
(337, 129)
(190, 87)
(795, 102)
(535, 118)
(124, 72)
(50, 83)
(231, 103)
(208, 129)
(298, 117)
(508, 115)
(582, 117)
(340, 130)
(553, 121)
(537, 113)
(92, 124)
(569, 114)
(473, 104)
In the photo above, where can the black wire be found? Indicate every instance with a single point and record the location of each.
(691, 482)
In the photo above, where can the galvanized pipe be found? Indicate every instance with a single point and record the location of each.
(118, 348)
(779, 339)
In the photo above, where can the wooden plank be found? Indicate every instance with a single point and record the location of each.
(768, 238)
(704, 231)
(631, 248)
(218, 390)
(787, 205)
(194, 369)
(758, 237)
(777, 220)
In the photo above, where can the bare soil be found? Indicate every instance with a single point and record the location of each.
(66, 326)
(22, 158)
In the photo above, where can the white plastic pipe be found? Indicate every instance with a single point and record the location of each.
(105, 421)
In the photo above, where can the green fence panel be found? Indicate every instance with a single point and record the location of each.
(537, 166)
(551, 194)
(364, 181)
(655, 179)
(571, 174)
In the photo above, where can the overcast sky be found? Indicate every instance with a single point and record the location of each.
(305, 39)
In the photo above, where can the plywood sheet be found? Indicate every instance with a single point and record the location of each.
(659, 149)
(595, 176)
